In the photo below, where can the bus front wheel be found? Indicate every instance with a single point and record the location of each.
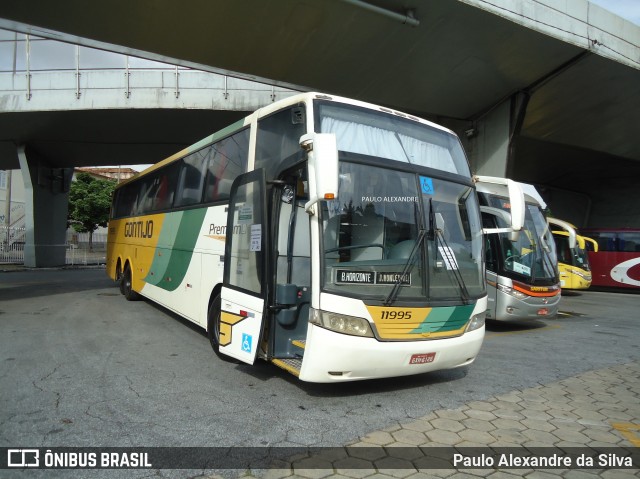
(126, 287)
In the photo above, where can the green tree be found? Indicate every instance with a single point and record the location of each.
(89, 204)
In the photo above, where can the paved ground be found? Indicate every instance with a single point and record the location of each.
(598, 409)
(79, 366)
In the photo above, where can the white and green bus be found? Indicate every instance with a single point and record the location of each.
(336, 239)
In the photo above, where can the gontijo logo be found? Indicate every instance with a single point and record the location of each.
(138, 229)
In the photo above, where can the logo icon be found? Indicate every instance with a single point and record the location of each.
(23, 457)
(426, 184)
(246, 342)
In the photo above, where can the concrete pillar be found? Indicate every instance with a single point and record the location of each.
(489, 141)
(46, 206)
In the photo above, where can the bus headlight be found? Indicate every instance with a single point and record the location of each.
(341, 323)
(512, 292)
(477, 321)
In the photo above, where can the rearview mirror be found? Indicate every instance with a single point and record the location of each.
(516, 201)
(322, 156)
(568, 227)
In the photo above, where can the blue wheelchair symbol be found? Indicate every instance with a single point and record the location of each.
(246, 342)
(426, 184)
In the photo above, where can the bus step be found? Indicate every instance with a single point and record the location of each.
(299, 342)
(290, 365)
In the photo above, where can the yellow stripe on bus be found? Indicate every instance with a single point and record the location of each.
(135, 240)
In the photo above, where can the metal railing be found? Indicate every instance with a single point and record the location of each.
(78, 249)
(12, 241)
(81, 252)
(49, 74)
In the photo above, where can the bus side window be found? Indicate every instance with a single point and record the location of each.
(228, 158)
(278, 138)
(607, 243)
(490, 259)
(158, 190)
(127, 199)
(147, 190)
(190, 180)
(488, 221)
(163, 197)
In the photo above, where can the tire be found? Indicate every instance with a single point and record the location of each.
(126, 285)
(119, 278)
(213, 328)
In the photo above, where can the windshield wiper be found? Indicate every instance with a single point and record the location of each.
(450, 261)
(454, 269)
(432, 220)
(407, 268)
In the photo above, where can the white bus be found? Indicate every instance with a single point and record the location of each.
(336, 239)
(522, 267)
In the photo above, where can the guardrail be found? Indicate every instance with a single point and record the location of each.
(41, 74)
(79, 250)
(12, 241)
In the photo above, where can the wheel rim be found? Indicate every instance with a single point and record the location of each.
(127, 281)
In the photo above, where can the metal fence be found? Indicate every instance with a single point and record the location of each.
(12, 242)
(78, 249)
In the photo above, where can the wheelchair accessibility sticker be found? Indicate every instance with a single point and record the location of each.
(246, 342)
(426, 184)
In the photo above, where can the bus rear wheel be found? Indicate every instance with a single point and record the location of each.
(126, 287)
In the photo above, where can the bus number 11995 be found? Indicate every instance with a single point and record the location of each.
(395, 314)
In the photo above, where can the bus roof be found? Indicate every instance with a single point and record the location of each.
(267, 110)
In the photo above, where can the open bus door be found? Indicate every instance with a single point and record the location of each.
(244, 288)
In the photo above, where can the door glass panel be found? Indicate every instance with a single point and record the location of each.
(247, 239)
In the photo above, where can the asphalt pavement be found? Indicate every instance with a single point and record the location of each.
(82, 367)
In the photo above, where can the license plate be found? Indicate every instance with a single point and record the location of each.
(422, 358)
(543, 312)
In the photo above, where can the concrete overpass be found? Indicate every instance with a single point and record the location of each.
(543, 91)
(64, 106)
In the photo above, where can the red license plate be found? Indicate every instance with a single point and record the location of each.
(543, 312)
(422, 358)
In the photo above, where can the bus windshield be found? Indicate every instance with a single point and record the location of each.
(393, 230)
(532, 257)
(571, 256)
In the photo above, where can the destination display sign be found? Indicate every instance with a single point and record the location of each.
(344, 276)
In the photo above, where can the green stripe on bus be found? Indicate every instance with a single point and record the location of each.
(447, 318)
(179, 258)
(162, 253)
(187, 235)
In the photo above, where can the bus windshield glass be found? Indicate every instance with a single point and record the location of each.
(394, 235)
(532, 257)
(383, 135)
(571, 256)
